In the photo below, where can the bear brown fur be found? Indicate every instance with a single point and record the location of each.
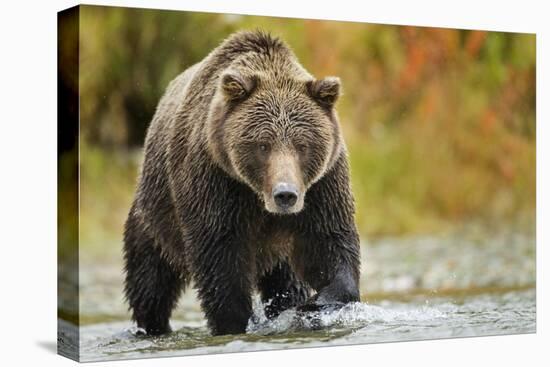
(244, 186)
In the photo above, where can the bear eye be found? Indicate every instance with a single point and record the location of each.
(264, 147)
(302, 148)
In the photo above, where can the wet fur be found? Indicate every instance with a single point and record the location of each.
(198, 216)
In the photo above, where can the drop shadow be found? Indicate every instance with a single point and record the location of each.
(48, 345)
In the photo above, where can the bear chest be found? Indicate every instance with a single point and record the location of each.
(272, 247)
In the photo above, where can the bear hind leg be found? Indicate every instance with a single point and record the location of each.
(281, 290)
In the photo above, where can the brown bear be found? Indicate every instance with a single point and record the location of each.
(244, 186)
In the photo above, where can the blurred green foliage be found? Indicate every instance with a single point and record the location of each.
(440, 123)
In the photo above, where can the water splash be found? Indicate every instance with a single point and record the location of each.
(351, 316)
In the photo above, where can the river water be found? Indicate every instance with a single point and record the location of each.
(458, 285)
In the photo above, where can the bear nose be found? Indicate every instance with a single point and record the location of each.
(285, 195)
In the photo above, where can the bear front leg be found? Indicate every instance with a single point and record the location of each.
(332, 270)
(281, 290)
(152, 286)
(222, 276)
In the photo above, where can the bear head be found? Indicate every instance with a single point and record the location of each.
(273, 127)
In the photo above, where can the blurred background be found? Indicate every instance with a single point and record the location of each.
(440, 123)
(440, 126)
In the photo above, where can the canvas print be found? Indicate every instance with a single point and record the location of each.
(232, 183)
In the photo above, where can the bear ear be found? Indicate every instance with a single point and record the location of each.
(325, 91)
(236, 87)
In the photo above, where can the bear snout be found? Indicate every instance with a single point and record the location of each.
(285, 195)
